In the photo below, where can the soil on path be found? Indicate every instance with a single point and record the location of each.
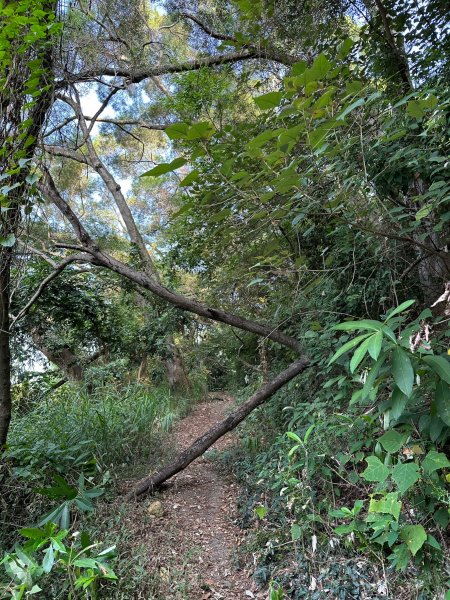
(193, 543)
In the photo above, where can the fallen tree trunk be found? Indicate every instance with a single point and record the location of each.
(148, 484)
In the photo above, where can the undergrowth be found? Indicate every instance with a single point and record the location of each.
(66, 464)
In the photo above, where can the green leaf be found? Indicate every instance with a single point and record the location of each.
(299, 67)
(296, 532)
(65, 517)
(319, 68)
(375, 470)
(347, 346)
(359, 354)
(440, 365)
(261, 511)
(190, 178)
(395, 311)
(203, 129)
(350, 108)
(414, 537)
(399, 401)
(8, 241)
(388, 505)
(432, 541)
(374, 347)
(443, 401)
(373, 374)
(268, 101)
(87, 563)
(164, 168)
(293, 436)
(177, 131)
(434, 461)
(367, 324)
(405, 475)
(392, 441)
(414, 109)
(49, 560)
(33, 533)
(402, 371)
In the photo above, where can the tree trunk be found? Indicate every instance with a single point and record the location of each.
(5, 355)
(176, 373)
(204, 442)
(63, 358)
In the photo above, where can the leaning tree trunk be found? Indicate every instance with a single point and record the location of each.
(204, 442)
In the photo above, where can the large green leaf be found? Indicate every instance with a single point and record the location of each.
(177, 131)
(372, 376)
(399, 309)
(374, 346)
(434, 461)
(269, 100)
(49, 560)
(359, 354)
(392, 441)
(414, 537)
(348, 109)
(389, 504)
(405, 475)
(402, 371)
(399, 401)
(375, 470)
(319, 68)
(440, 365)
(367, 324)
(203, 129)
(443, 401)
(164, 168)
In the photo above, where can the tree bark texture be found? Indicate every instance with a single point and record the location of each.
(5, 355)
(148, 484)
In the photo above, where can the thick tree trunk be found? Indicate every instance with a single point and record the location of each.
(5, 355)
(63, 358)
(176, 373)
(210, 437)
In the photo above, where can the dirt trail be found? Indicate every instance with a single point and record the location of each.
(194, 540)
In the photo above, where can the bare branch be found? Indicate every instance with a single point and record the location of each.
(138, 122)
(138, 75)
(66, 153)
(214, 34)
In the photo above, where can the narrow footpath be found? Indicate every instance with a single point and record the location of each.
(193, 538)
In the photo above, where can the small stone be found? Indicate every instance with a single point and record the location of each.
(155, 508)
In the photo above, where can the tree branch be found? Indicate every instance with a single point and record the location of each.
(148, 484)
(138, 75)
(214, 34)
(101, 258)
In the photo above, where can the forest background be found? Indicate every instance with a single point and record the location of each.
(258, 203)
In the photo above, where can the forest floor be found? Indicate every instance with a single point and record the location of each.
(192, 537)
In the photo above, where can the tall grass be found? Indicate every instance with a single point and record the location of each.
(114, 425)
